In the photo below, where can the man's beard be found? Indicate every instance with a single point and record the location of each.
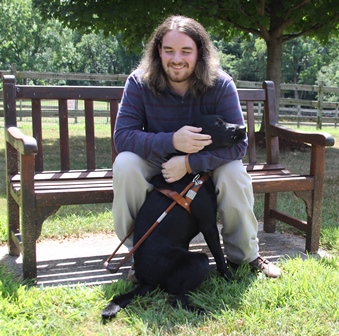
(178, 78)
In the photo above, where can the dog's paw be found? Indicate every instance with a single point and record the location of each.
(188, 307)
(226, 274)
(110, 311)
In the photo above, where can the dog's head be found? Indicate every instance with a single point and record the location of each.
(223, 134)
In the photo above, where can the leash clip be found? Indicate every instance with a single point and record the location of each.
(196, 180)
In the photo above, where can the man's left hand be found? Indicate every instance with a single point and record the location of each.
(174, 169)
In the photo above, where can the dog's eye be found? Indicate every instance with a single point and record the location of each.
(219, 123)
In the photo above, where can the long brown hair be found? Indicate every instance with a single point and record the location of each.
(206, 69)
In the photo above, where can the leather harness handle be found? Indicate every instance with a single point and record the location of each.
(186, 201)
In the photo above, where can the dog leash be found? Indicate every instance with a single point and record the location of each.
(190, 191)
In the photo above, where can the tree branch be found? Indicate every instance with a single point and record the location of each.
(312, 29)
(297, 7)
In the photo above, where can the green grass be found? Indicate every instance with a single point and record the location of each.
(304, 301)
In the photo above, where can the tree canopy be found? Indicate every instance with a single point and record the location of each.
(37, 45)
(275, 21)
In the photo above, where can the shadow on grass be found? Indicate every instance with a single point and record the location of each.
(214, 295)
(70, 263)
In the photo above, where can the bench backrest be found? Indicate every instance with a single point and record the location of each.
(62, 94)
(258, 103)
(252, 101)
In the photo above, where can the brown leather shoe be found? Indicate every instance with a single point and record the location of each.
(131, 275)
(263, 265)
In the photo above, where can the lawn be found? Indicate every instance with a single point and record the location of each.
(304, 301)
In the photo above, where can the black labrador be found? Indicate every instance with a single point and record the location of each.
(163, 260)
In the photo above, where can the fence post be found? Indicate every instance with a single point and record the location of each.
(13, 72)
(13, 69)
(320, 104)
(299, 115)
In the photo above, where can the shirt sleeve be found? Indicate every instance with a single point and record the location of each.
(130, 134)
(227, 105)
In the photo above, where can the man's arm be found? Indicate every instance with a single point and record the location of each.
(130, 134)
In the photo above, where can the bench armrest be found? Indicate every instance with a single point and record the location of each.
(312, 138)
(25, 145)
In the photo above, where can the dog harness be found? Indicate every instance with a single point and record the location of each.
(186, 200)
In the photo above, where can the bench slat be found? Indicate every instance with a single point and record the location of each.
(37, 132)
(69, 92)
(273, 185)
(73, 197)
(73, 174)
(261, 183)
(65, 160)
(90, 136)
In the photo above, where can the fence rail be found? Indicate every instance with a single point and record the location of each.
(292, 111)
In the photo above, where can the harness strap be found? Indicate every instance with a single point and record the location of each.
(186, 200)
(175, 196)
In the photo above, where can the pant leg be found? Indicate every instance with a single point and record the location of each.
(235, 206)
(131, 174)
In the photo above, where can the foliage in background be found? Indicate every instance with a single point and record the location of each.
(34, 45)
(275, 22)
(44, 46)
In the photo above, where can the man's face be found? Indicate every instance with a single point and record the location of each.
(179, 55)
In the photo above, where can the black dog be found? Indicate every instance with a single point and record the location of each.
(163, 259)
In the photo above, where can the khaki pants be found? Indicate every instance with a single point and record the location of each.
(234, 196)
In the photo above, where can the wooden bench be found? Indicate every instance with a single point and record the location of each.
(33, 193)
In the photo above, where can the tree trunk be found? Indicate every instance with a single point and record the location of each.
(273, 69)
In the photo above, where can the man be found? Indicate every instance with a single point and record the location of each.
(179, 79)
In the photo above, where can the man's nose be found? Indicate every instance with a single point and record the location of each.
(176, 57)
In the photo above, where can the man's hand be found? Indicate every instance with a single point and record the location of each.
(188, 139)
(174, 169)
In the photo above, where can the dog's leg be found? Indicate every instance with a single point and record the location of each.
(186, 276)
(121, 301)
(183, 301)
(212, 239)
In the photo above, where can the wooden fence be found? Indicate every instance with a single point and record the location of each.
(292, 111)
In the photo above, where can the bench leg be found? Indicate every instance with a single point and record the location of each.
(31, 227)
(29, 265)
(312, 235)
(29, 236)
(28, 217)
(314, 224)
(13, 225)
(270, 203)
